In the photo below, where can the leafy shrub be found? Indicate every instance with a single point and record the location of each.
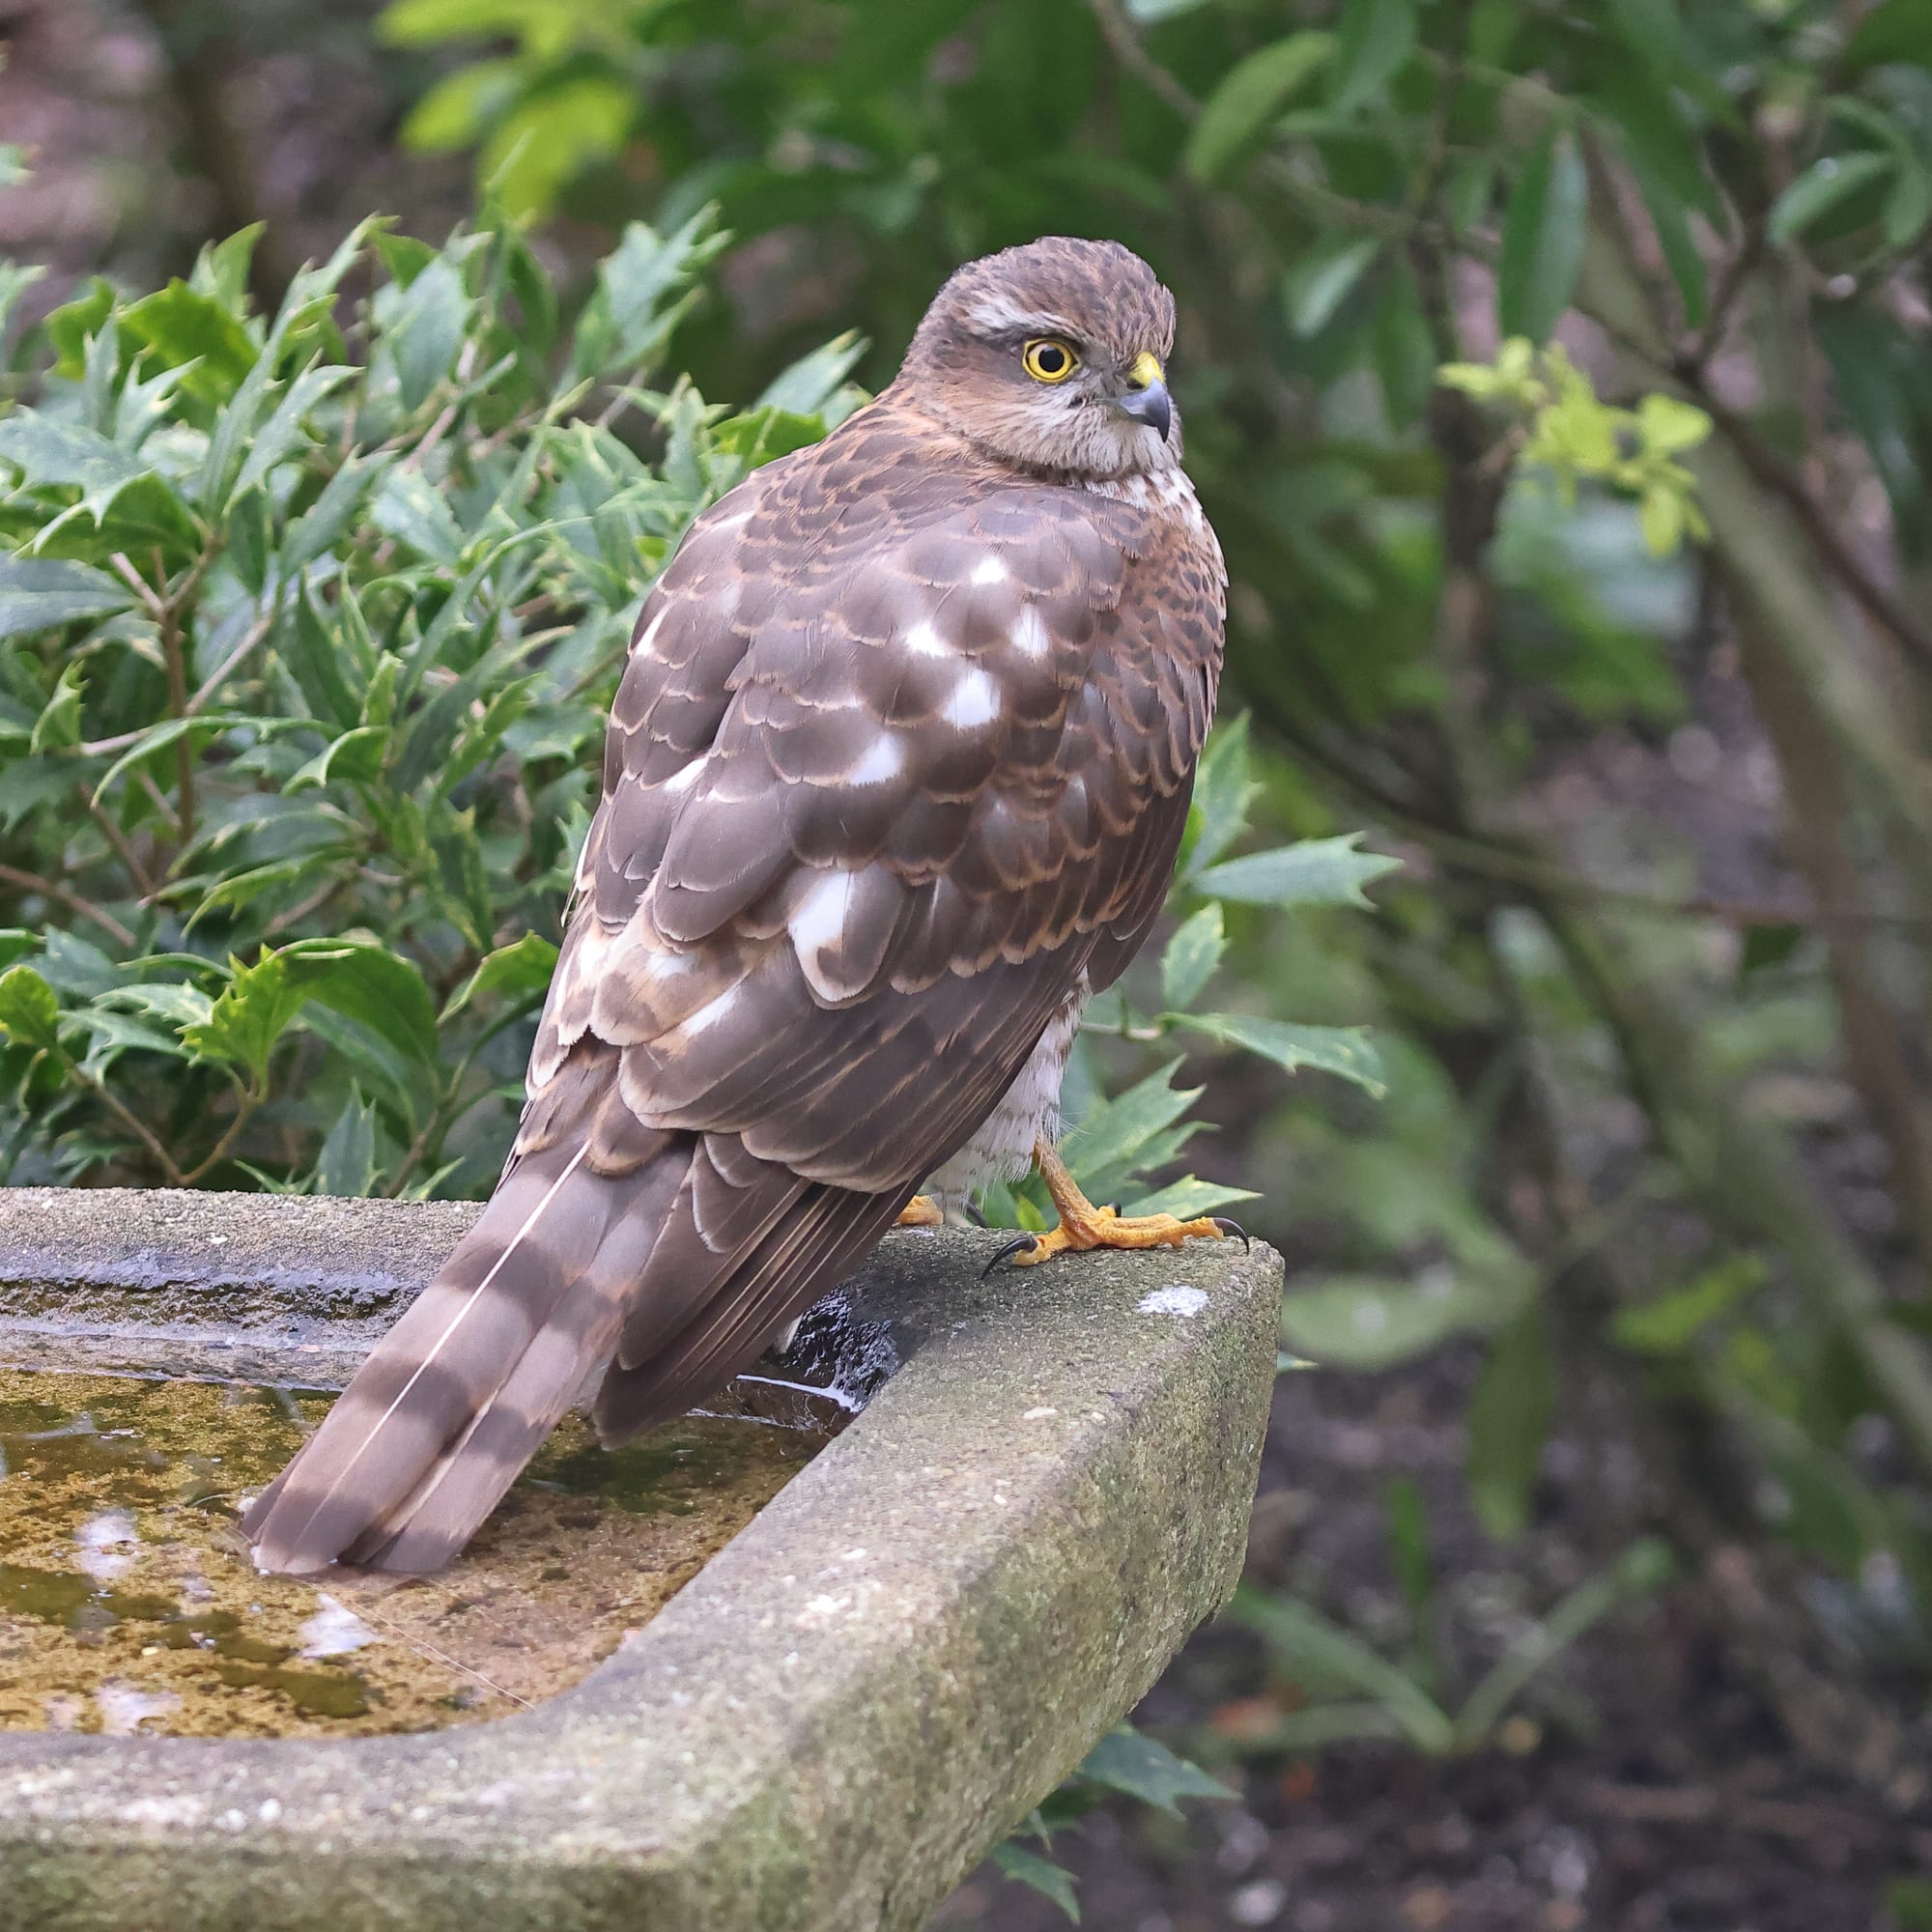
(308, 637)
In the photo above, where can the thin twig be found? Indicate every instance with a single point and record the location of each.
(1119, 36)
(135, 1125)
(213, 682)
(244, 1112)
(1877, 602)
(124, 847)
(32, 882)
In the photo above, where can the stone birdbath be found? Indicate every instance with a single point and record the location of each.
(755, 1677)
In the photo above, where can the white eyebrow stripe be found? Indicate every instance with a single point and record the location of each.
(992, 314)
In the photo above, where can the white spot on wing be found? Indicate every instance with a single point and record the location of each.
(648, 634)
(974, 701)
(711, 1013)
(923, 640)
(1030, 637)
(883, 760)
(819, 919)
(988, 570)
(687, 776)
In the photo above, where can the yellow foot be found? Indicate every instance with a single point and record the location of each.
(1083, 1226)
(921, 1211)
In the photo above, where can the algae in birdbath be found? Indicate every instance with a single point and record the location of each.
(127, 1601)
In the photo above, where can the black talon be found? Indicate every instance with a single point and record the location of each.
(1228, 1227)
(1018, 1246)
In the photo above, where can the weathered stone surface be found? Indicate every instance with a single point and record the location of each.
(904, 1652)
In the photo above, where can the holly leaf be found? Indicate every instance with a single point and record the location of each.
(29, 1012)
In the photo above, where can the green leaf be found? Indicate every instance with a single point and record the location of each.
(458, 109)
(1192, 957)
(58, 727)
(1377, 37)
(222, 268)
(1049, 1880)
(77, 322)
(43, 593)
(809, 384)
(1669, 427)
(1117, 1131)
(1908, 207)
(1315, 871)
(1314, 1653)
(542, 140)
(286, 433)
(764, 434)
(1247, 97)
(186, 329)
(29, 1012)
(1368, 1321)
(414, 513)
(1321, 278)
(347, 1163)
(353, 758)
(1409, 1542)
(50, 452)
(1672, 1321)
(1898, 31)
(1542, 239)
(630, 315)
(16, 279)
(1223, 792)
(522, 970)
(1186, 1198)
(249, 1018)
(1508, 1422)
(1344, 1051)
(321, 660)
(373, 986)
(1660, 515)
(1402, 350)
(1129, 1761)
(1682, 255)
(424, 331)
(1825, 185)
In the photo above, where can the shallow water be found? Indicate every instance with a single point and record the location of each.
(128, 1602)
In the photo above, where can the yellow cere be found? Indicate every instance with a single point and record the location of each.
(1146, 371)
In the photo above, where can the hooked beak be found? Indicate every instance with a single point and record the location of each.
(1146, 399)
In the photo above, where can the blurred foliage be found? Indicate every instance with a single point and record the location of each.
(1671, 253)
(1615, 634)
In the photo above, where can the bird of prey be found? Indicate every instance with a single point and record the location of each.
(895, 779)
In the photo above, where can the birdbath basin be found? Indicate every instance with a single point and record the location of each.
(890, 1645)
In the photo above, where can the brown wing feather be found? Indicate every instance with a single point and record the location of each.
(902, 752)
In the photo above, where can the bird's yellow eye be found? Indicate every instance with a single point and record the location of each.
(1048, 359)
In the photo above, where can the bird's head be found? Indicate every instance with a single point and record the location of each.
(1053, 357)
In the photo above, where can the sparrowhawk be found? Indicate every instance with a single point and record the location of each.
(894, 778)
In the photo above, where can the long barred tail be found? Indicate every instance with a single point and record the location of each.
(457, 1397)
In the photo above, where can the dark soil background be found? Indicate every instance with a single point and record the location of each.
(1645, 1785)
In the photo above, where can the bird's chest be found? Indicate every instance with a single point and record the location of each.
(1001, 1147)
